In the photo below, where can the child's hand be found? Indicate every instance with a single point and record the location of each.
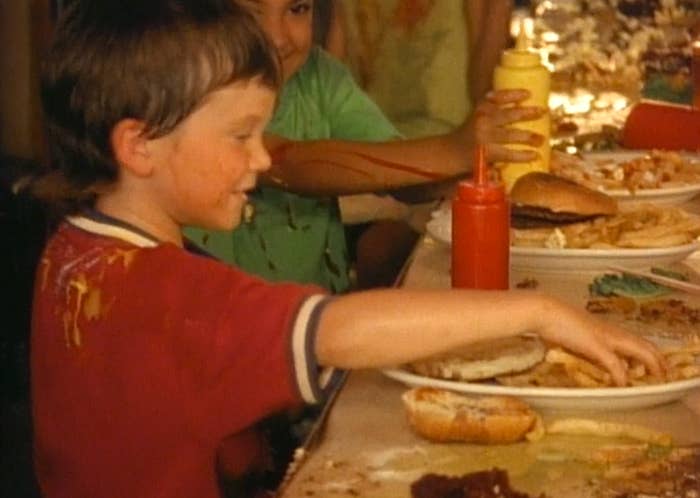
(491, 121)
(579, 332)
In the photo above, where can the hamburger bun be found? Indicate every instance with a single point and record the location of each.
(444, 416)
(542, 199)
(483, 360)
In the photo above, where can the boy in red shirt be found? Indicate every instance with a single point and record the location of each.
(147, 354)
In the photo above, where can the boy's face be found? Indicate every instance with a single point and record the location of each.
(289, 25)
(209, 161)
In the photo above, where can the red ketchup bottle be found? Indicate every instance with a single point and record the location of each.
(480, 231)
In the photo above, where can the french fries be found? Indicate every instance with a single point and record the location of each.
(585, 373)
(658, 169)
(564, 369)
(588, 427)
(647, 226)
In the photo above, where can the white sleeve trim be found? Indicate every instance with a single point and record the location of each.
(311, 380)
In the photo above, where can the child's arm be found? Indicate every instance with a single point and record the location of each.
(332, 167)
(390, 327)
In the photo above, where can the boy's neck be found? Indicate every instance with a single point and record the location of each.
(142, 216)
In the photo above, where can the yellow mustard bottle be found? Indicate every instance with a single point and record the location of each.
(521, 67)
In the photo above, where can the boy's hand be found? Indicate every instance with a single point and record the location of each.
(492, 118)
(606, 344)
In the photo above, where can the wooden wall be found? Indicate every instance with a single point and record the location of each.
(24, 34)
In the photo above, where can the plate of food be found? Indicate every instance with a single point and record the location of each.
(561, 225)
(660, 177)
(563, 398)
(551, 377)
(647, 236)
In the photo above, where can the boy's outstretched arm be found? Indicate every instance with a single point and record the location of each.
(389, 327)
(333, 167)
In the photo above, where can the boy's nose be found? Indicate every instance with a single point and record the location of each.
(260, 158)
(276, 31)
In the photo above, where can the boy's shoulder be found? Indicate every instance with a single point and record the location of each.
(89, 245)
(319, 57)
(324, 69)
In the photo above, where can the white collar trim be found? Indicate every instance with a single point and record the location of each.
(110, 230)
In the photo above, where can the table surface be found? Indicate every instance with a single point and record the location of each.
(367, 448)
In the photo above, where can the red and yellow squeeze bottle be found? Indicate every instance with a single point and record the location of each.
(480, 231)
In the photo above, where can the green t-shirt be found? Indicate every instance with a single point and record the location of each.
(291, 237)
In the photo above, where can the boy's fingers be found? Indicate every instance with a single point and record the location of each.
(485, 110)
(499, 153)
(512, 136)
(618, 372)
(501, 97)
(499, 116)
(515, 114)
(647, 353)
(614, 365)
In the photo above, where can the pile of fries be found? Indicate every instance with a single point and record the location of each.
(658, 169)
(563, 369)
(646, 226)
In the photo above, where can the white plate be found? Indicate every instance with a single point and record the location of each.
(608, 398)
(668, 195)
(543, 259)
(557, 260)
(439, 226)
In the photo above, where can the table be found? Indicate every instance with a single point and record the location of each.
(368, 450)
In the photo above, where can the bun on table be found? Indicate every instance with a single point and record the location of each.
(444, 416)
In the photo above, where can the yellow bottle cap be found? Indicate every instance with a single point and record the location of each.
(520, 56)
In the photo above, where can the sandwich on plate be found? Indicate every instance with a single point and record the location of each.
(541, 200)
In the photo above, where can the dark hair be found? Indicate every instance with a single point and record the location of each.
(323, 14)
(151, 60)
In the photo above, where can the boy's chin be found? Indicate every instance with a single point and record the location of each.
(225, 220)
(222, 225)
(228, 225)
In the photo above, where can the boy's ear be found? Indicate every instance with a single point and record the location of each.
(130, 146)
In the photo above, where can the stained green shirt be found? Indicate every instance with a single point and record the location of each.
(292, 237)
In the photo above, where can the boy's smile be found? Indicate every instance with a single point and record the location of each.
(289, 25)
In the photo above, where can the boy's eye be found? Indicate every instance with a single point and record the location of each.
(301, 8)
(242, 137)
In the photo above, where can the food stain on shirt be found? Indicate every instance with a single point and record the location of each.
(84, 298)
(75, 293)
(94, 307)
(125, 255)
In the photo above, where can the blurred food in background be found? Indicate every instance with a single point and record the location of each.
(606, 55)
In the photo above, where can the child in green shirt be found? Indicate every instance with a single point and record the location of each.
(328, 138)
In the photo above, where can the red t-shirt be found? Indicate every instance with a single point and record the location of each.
(145, 356)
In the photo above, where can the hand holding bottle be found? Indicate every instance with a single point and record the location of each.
(494, 126)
